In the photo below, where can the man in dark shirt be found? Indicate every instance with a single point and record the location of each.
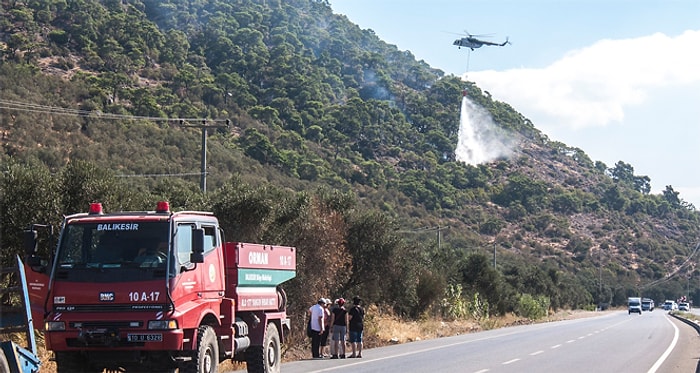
(356, 314)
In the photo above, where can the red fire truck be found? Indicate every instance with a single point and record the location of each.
(159, 291)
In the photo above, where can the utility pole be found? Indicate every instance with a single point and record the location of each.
(494, 254)
(439, 239)
(600, 275)
(204, 126)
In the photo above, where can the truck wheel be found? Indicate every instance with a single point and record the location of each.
(266, 358)
(70, 362)
(206, 358)
(4, 366)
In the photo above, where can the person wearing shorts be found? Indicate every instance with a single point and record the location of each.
(339, 320)
(356, 317)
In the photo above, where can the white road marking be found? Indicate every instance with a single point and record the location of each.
(369, 360)
(663, 356)
(537, 353)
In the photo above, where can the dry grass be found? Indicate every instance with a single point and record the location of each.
(687, 315)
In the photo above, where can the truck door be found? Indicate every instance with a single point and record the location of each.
(212, 268)
(187, 283)
(201, 280)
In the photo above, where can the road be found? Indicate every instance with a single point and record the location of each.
(614, 342)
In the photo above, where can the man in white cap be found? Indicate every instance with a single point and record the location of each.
(317, 320)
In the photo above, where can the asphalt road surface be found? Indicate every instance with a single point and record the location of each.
(614, 342)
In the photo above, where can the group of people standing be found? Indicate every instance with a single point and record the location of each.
(337, 322)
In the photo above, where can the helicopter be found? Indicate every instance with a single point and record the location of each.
(470, 41)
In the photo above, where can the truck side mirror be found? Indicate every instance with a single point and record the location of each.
(197, 255)
(30, 250)
(30, 242)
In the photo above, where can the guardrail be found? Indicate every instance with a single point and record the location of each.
(692, 323)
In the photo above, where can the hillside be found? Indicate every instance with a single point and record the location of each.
(323, 136)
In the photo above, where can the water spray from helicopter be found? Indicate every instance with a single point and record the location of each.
(479, 139)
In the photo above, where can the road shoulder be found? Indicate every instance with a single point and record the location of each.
(686, 354)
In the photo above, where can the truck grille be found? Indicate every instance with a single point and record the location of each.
(106, 324)
(112, 308)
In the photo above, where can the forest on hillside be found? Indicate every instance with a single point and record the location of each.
(321, 136)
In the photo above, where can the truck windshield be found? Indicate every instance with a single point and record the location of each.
(114, 245)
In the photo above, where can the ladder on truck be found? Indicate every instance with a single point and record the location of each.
(16, 319)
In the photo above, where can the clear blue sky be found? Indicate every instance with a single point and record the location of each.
(619, 79)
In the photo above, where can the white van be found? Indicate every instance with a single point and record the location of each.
(634, 304)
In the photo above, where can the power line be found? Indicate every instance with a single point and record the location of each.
(424, 229)
(183, 122)
(163, 175)
(438, 229)
(673, 274)
(44, 109)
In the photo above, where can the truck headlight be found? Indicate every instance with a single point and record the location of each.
(55, 326)
(162, 324)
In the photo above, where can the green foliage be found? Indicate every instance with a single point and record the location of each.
(454, 306)
(375, 250)
(567, 203)
(491, 226)
(478, 308)
(28, 195)
(429, 288)
(244, 211)
(532, 194)
(533, 308)
(479, 277)
(82, 182)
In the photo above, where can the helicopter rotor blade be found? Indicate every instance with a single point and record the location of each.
(454, 33)
(477, 35)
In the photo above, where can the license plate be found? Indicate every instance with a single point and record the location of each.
(144, 337)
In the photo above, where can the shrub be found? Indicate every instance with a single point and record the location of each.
(478, 308)
(454, 306)
(531, 307)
